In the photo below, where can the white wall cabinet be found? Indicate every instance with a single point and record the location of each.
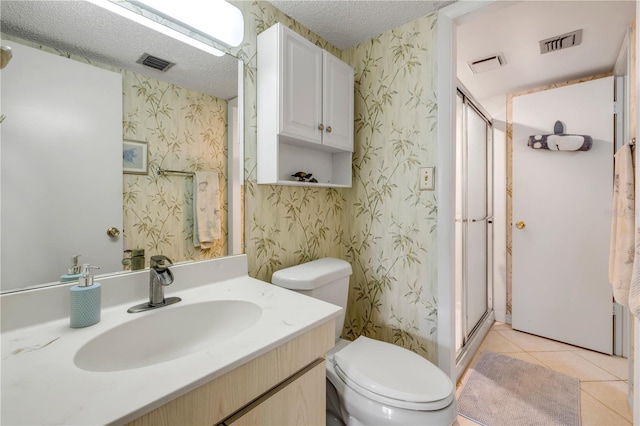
(305, 111)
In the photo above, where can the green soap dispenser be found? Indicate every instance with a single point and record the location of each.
(85, 300)
(73, 272)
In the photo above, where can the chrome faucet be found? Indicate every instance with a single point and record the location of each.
(159, 276)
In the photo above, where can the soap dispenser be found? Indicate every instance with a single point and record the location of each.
(85, 300)
(73, 272)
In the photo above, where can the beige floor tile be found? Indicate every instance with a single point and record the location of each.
(529, 342)
(569, 363)
(613, 364)
(594, 413)
(463, 421)
(500, 326)
(524, 356)
(611, 394)
(495, 342)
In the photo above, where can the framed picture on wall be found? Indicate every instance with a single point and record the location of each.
(135, 157)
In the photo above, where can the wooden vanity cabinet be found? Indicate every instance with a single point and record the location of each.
(285, 386)
(300, 400)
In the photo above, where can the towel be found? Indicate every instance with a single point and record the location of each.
(623, 247)
(206, 209)
(561, 142)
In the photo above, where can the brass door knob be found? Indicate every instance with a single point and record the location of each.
(320, 126)
(520, 225)
(329, 129)
(113, 232)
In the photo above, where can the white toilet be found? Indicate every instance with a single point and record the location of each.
(370, 382)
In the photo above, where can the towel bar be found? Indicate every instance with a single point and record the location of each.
(163, 172)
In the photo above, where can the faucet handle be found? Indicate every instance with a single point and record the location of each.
(158, 262)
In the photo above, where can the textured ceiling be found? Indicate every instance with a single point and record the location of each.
(347, 23)
(87, 30)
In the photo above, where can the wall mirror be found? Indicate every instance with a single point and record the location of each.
(55, 169)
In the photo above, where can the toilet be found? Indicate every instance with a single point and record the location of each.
(370, 382)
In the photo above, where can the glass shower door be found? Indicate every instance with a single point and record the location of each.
(473, 219)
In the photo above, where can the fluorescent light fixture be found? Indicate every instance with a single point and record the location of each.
(133, 13)
(216, 20)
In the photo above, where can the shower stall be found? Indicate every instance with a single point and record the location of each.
(474, 223)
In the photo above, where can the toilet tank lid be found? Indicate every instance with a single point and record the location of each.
(311, 275)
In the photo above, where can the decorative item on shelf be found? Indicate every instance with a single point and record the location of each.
(304, 177)
(560, 141)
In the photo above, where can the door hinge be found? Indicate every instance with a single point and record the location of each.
(616, 309)
(617, 108)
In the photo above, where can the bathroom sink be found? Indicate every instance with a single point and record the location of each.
(166, 334)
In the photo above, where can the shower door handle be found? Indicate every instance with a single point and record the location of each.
(489, 219)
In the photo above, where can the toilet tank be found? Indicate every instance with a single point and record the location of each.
(325, 279)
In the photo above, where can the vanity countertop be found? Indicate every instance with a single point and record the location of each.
(42, 385)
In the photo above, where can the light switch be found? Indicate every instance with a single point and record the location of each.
(426, 179)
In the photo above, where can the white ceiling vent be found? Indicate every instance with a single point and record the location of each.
(155, 62)
(563, 41)
(487, 63)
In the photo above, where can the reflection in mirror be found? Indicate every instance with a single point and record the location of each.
(71, 122)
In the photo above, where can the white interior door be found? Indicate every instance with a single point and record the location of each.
(61, 167)
(560, 258)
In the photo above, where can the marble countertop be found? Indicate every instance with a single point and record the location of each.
(42, 385)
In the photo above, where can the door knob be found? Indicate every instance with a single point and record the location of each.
(113, 232)
(520, 225)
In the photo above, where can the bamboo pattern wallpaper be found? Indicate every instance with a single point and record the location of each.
(185, 130)
(384, 226)
(391, 239)
(284, 225)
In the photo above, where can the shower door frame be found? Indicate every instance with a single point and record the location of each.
(473, 334)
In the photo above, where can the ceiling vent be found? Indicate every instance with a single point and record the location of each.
(560, 42)
(155, 62)
(487, 64)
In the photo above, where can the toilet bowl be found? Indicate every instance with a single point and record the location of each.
(370, 382)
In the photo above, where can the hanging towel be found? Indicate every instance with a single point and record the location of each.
(206, 209)
(623, 246)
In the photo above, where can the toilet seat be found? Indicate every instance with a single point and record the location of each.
(408, 381)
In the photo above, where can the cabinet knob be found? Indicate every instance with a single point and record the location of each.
(520, 225)
(320, 126)
(329, 129)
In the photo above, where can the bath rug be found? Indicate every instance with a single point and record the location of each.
(501, 390)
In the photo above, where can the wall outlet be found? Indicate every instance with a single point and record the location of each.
(427, 179)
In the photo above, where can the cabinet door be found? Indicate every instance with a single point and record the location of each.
(301, 401)
(301, 83)
(338, 103)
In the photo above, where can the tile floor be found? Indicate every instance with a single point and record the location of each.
(603, 378)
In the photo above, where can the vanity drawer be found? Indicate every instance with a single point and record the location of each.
(221, 398)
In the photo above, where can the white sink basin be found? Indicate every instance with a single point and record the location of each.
(165, 334)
